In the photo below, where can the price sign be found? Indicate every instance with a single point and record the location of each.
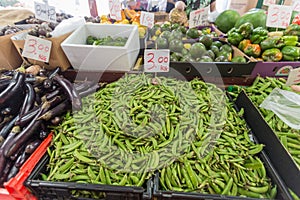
(279, 16)
(294, 77)
(269, 2)
(156, 60)
(37, 48)
(296, 5)
(147, 19)
(44, 12)
(93, 8)
(115, 9)
(198, 17)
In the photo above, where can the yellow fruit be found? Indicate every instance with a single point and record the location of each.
(142, 32)
(187, 46)
(157, 32)
(153, 37)
(135, 23)
(125, 21)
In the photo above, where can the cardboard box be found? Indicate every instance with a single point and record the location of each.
(161, 17)
(101, 58)
(57, 56)
(9, 56)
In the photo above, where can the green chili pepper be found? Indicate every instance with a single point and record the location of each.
(291, 53)
(273, 54)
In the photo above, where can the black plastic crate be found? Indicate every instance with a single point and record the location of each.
(274, 149)
(282, 190)
(47, 190)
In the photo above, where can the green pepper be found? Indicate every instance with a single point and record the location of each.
(253, 50)
(258, 34)
(243, 44)
(238, 59)
(235, 38)
(292, 29)
(246, 29)
(273, 55)
(290, 53)
(290, 40)
(272, 42)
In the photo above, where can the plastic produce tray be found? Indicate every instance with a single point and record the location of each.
(47, 190)
(14, 188)
(276, 152)
(282, 191)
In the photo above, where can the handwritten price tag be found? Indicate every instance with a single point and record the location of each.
(44, 12)
(147, 19)
(296, 5)
(156, 60)
(115, 9)
(269, 2)
(37, 48)
(279, 16)
(93, 8)
(294, 77)
(198, 17)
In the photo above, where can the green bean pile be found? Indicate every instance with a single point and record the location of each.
(289, 137)
(189, 131)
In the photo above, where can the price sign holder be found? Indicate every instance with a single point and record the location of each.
(44, 12)
(37, 48)
(198, 17)
(147, 19)
(115, 9)
(269, 2)
(296, 5)
(294, 77)
(93, 8)
(156, 60)
(279, 16)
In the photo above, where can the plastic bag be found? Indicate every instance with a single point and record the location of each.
(67, 26)
(286, 105)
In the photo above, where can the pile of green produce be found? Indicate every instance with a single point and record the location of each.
(260, 89)
(139, 124)
(106, 41)
(187, 33)
(258, 43)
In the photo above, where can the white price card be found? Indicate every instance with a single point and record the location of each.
(198, 17)
(44, 12)
(115, 9)
(296, 5)
(294, 77)
(269, 2)
(279, 16)
(156, 60)
(37, 48)
(147, 19)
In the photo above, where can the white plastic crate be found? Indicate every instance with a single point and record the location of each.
(102, 58)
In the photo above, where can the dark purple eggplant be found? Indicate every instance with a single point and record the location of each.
(30, 129)
(57, 110)
(16, 155)
(27, 117)
(54, 72)
(90, 90)
(29, 99)
(21, 159)
(47, 84)
(5, 131)
(31, 147)
(51, 95)
(12, 89)
(7, 142)
(56, 120)
(5, 171)
(4, 83)
(70, 90)
(3, 162)
(12, 173)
